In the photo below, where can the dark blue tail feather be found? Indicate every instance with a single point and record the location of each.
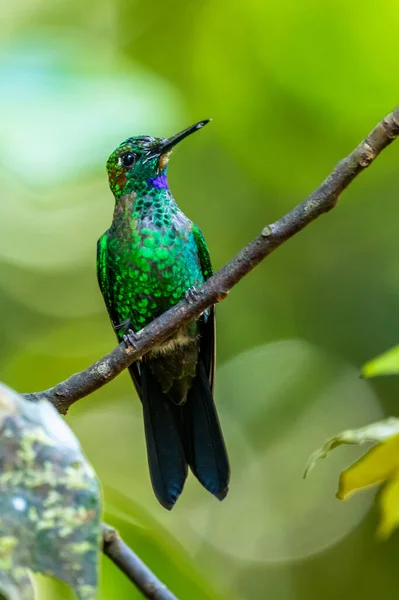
(162, 424)
(205, 447)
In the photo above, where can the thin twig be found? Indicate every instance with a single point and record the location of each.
(134, 568)
(323, 199)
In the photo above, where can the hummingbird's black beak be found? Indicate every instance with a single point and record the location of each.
(169, 143)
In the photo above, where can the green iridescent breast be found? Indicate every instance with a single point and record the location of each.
(149, 270)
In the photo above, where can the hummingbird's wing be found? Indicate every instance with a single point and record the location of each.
(104, 277)
(206, 450)
(207, 322)
(105, 281)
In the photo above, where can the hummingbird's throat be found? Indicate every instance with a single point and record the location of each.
(160, 182)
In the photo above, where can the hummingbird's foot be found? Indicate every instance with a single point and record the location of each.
(131, 338)
(191, 294)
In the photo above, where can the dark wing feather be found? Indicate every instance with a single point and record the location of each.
(208, 344)
(206, 450)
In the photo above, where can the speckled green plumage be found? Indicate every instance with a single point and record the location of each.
(149, 257)
(146, 262)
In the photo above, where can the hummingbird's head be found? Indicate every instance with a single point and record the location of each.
(143, 159)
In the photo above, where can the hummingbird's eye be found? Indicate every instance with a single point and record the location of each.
(128, 159)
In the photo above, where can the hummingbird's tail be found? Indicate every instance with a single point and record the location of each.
(163, 434)
(177, 435)
(205, 448)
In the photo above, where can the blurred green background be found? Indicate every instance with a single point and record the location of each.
(292, 88)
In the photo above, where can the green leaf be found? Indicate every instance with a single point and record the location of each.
(376, 432)
(385, 364)
(49, 501)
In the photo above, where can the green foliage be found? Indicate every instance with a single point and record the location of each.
(385, 364)
(49, 501)
(285, 92)
(292, 87)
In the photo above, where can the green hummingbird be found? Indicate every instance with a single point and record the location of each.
(150, 258)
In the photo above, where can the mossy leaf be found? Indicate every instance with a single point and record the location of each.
(17, 584)
(49, 501)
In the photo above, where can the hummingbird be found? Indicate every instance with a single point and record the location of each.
(150, 259)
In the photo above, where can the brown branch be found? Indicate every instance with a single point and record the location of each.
(323, 199)
(134, 568)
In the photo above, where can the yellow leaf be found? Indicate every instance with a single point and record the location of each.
(379, 465)
(376, 466)
(389, 503)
